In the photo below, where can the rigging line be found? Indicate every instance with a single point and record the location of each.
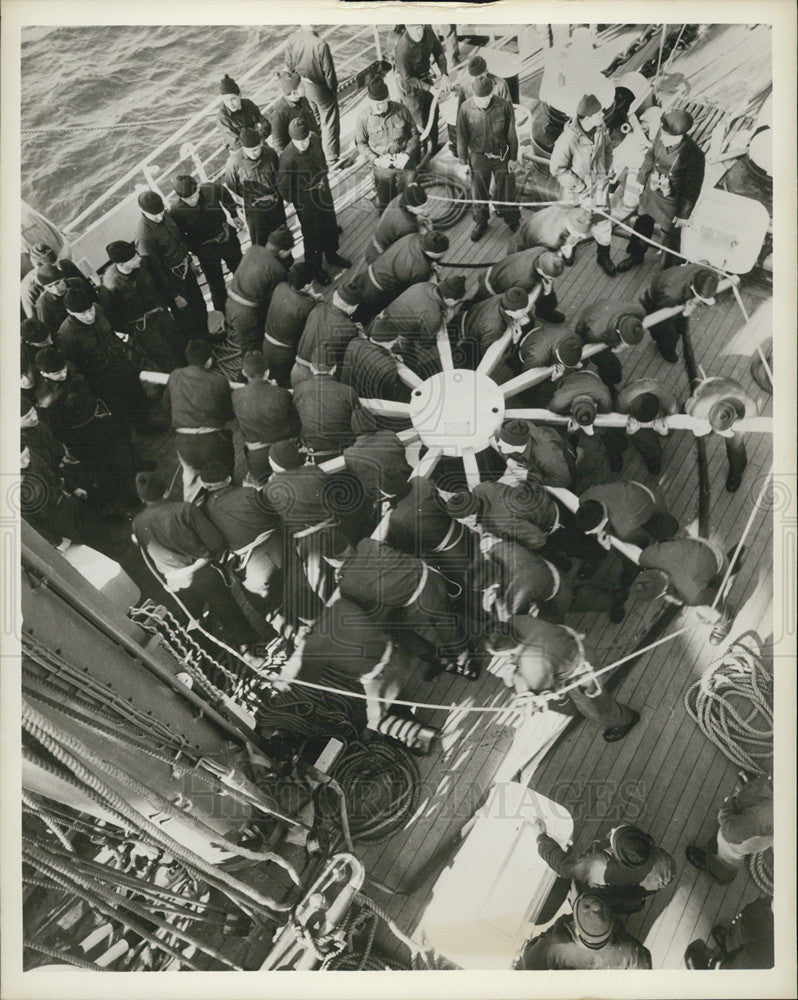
(673, 51)
(507, 204)
(70, 129)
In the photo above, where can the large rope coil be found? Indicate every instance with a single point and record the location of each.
(732, 705)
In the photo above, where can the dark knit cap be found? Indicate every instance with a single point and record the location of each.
(453, 287)
(229, 86)
(299, 275)
(49, 359)
(150, 486)
(48, 274)
(568, 351)
(588, 106)
(214, 472)
(477, 66)
(41, 253)
(589, 515)
(78, 300)
(249, 138)
(286, 455)
(483, 85)
(150, 201)
(514, 299)
(26, 404)
(705, 283)
(185, 185)
(289, 81)
(349, 294)
(463, 505)
(583, 410)
(34, 331)
(378, 89)
(514, 433)
(198, 351)
(120, 251)
(644, 407)
(298, 128)
(676, 122)
(415, 196)
(435, 243)
(593, 920)
(281, 238)
(550, 264)
(630, 845)
(630, 329)
(254, 364)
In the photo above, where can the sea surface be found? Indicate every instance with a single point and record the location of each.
(99, 75)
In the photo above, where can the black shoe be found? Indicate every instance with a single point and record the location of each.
(587, 570)
(478, 231)
(336, 260)
(322, 277)
(733, 482)
(670, 356)
(654, 468)
(720, 936)
(555, 316)
(514, 225)
(698, 956)
(569, 261)
(615, 733)
(617, 613)
(604, 262)
(627, 264)
(697, 857)
(615, 462)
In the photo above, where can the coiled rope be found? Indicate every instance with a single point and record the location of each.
(760, 868)
(743, 729)
(380, 783)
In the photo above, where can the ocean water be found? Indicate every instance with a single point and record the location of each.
(99, 75)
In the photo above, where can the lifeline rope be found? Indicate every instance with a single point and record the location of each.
(72, 129)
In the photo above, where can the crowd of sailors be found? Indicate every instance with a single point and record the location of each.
(457, 578)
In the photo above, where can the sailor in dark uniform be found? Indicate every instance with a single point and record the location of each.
(328, 329)
(646, 402)
(86, 339)
(265, 414)
(672, 174)
(617, 324)
(527, 269)
(410, 260)
(302, 180)
(386, 136)
(414, 53)
(200, 406)
(369, 366)
(325, 407)
(205, 215)
(236, 113)
(309, 55)
(487, 321)
(289, 106)
(137, 308)
(291, 302)
(50, 308)
(160, 240)
(251, 177)
(691, 286)
(261, 269)
(405, 214)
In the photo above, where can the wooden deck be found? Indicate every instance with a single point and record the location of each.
(665, 776)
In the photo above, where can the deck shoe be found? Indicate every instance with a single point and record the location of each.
(671, 356)
(627, 264)
(733, 482)
(615, 733)
(478, 231)
(513, 225)
(555, 316)
(720, 936)
(604, 262)
(698, 956)
(697, 857)
(336, 260)
(322, 277)
(615, 461)
(569, 261)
